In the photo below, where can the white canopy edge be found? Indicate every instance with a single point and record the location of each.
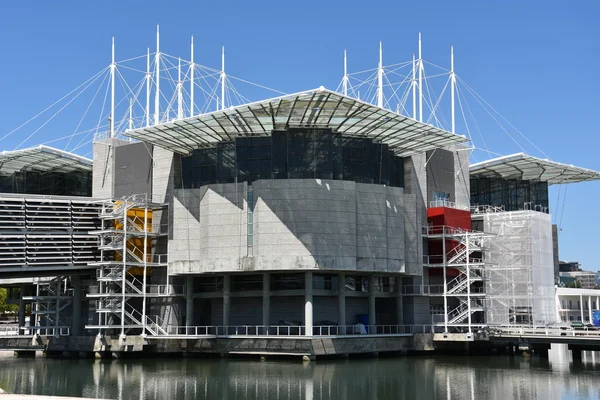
(523, 166)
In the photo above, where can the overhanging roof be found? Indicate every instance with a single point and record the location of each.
(522, 166)
(314, 108)
(43, 159)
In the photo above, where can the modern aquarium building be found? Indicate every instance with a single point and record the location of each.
(309, 215)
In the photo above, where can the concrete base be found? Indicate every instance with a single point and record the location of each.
(299, 346)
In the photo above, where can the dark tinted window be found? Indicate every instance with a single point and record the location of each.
(298, 153)
(75, 183)
(511, 193)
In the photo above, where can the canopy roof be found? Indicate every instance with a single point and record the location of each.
(314, 108)
(44, 159)
(522, 166)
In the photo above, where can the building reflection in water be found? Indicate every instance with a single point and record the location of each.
(442, 377)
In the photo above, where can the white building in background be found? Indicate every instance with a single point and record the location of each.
(576, 305)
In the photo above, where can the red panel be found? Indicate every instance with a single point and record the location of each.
(443, 216)
(439, 216)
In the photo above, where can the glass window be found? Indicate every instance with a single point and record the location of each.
(246, 283)
(325, 282)
(357, 283)
(512, 194)
(297, 153)
(441, 196)
(208, 284)
(287, 281)
(386, 284)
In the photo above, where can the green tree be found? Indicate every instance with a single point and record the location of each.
(3, 306)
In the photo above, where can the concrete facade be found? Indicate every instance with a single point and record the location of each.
(121, 168)
(295, 225)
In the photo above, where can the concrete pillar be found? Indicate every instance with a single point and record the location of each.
(22, 311)
(308, 303)
(341, 299)
(590, 308)
(372, 319)
(266, 301)
(189, 301)
(581, 307)
(76, 318)
(399, 304)
(226, 299)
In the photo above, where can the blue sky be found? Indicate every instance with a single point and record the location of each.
(535, 62)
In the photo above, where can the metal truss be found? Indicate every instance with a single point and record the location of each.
(463, 275)
(127, 243)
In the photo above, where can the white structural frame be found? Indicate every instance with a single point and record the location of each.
(316, 108)
(42, 158)
(464, 294)
(121, 226)
(526, 167)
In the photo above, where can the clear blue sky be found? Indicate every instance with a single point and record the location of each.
(536, 62)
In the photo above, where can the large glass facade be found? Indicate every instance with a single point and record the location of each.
(75, 183)
(297, 153)
(513, 194)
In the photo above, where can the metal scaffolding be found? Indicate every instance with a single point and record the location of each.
(520, 289)
(458, 277)
(127, 244)
(51, 306)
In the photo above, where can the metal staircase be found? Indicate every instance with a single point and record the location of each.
(127, 243)
(463, 273)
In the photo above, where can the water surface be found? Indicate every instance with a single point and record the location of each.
(429, 377)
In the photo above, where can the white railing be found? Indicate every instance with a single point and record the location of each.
(28, 331)
(443, 229)
(548, 331)
(448, 204)
(9, 330)
(165, 290)
(486, 209)
(158, 258)
(296, 331)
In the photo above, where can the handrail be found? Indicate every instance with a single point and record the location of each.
(295, 330)
(546, 331)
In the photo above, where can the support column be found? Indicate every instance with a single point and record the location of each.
(22, 312)
(590, 308)
(189, 301)
(372, 319)
(342, 299)
(76, 318)
(226, 299)
(308, 303)
(581, 307)
(266, 302)
(399, 303)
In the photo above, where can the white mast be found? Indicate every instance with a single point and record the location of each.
(148, 79)
(192, 67)
(420, 81)
(112, 91)
(222, 78)
(452, 84)
(179, 94)
(157, 71)
(345, 80)
(130, 114)
(414, 88)
(380, 78)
